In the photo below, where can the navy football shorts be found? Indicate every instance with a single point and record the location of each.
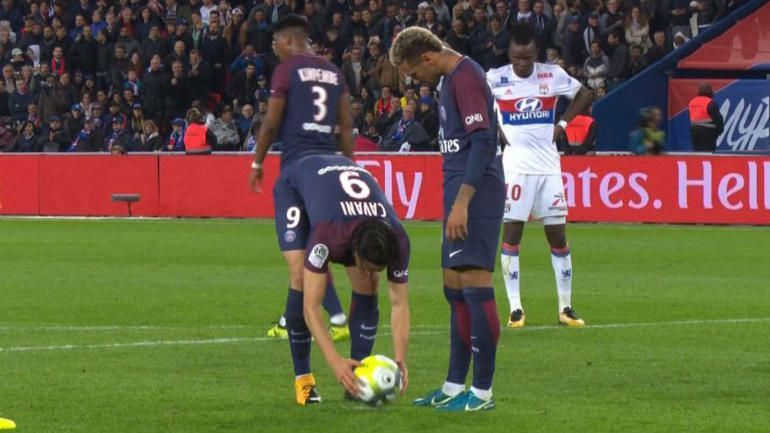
(292, 225)
(477, 250)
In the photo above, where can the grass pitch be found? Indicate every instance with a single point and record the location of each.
(158, 326)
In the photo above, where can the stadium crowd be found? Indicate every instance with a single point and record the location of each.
(121, 75)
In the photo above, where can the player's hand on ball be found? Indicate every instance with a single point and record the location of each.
(457, 223)
(343, 371)
(404, 376)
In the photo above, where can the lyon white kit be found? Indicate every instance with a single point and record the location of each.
(526, 113)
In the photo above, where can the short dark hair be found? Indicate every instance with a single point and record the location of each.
(375, 242)
(294, 22)
(522, 33)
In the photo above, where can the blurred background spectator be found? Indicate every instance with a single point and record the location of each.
(85, 71)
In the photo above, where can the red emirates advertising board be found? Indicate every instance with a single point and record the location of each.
(665, 189)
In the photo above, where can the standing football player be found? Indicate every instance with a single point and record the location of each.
(526, 94)
(352, 223)
(474, 195)
(308, 97)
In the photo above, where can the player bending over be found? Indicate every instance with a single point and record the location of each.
(474, 195)
(351, 223)
(526, 94)
(308, 97)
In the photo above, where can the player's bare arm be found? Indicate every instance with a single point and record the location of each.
(579, 105)
(457, 221)
(346, 126)
(267, 133)
(314, 286)
(399, 324)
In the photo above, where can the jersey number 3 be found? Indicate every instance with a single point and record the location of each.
(319, 100)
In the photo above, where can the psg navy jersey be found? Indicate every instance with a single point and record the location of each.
(312, 88)
(466, 105)
(338, 196)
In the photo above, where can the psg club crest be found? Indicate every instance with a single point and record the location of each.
(290, 236)
(503, 80)
(443, 114)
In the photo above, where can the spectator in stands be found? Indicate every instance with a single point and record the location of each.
(543, 28)
(596, 67)
(88, 139)
(178, 98)
(243, 85)
(119, 137)
(637, 62)
(353, 72)
(709, 11)
(618, 69)
(429, 120)
(176, 138)
(55, 138)
(592, 33)
(612, 20)
(458, 40)
(244, 120)
(154, 90)
(637, 29)
(19, 100)
(659, 48)
(393, 115)
(26, 141)
(150, 140)
(199, 76)
(680, 17)
(226, 131)
(572, 43)
(136, 121)
(679, 40)
(73, 124)
(500, 40)
(382, 105)
(405, 134)
(648, 139)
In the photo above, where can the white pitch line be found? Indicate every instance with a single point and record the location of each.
(427, 331)
(116, 327)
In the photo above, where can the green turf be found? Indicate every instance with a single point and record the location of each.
(83, 305)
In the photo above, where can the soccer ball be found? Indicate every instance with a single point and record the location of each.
(379, 380)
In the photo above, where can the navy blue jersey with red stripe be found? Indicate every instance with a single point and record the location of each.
(339, 195)
(312, 87)
(466, 105)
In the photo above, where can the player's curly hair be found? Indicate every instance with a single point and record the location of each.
(413, 42)
(522, 33)
(375, 242)
(293, 22)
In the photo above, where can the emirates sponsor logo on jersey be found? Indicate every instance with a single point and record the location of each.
(527, 111)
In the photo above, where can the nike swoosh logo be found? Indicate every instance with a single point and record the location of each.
(296, 333)
(454, 253)
(368, 328)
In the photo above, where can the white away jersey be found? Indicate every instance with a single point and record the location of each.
(525, 109)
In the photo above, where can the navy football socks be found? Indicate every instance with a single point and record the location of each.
(362, 322)
(485, 331)
(460, 336)
(299, 334)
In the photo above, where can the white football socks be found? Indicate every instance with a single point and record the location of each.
(338, 319)
(282, 321)
(509, 260)
(452, 389)
(562, 271)
(484, 394)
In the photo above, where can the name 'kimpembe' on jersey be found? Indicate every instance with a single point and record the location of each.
(526, 112)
